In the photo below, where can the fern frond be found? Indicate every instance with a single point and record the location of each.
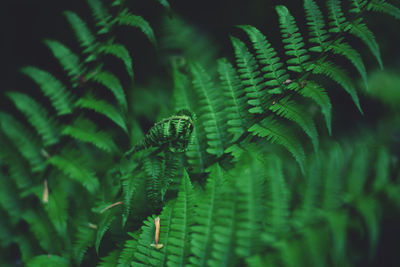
(120, 52)
(276, 133)
(128, 19)
(368, 208)
(277, 197)
(272, 69)
(103, 227)
(104, 108)
(358, 172)
(333, 182)
(67, 59)
(84, 238)
(316, 23)
(360, 30)
(101, 15)
(48, 261)
(249, 180)
(165, 4)
(74, 167)
(37, 116)
(85, 130)
(384, 7)
(249, 75)
(225, 229)
(26, 144)
(290, 110)
(382, 169)
(294, 44)
(144, 252)
(130, 181)
(110, 259)
(236, 103)
(338, 22)
(337, 74)
(318, 94)
(179, 239)
(196, 152)
(127, 254)
(153, 167)
(342, 48)
(211, 111)
(111, 82)
(358, 6)
(206, 213)
(57, 209)
(52, 88)
(83, 34)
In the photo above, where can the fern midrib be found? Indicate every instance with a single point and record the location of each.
(235, 100)
(203, 87)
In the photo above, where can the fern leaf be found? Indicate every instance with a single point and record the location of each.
(315, 20)
(311, 195)
(294, 45)
(225, 228)
(342, 48)
(179, 239)
(165, 4)
(211, 111)
(338, 224)
(111, 82)
(26, 144)
(332, 188)
(249, 180)
(48, 261)
(127, 254)
(83, 34)
(337, 22)
(318, 94)
(57, 210)
(74, 167)
(102, 228)
(154, 172)
(361, 31)
(382, 169)
(119, 51)
(130, 182)
(110, 260)
(104, 108)
(68, 60)
(272, 70)
(84, 238)
(128, 19)
(357, 6)
(277, 208)
(368, 207)
(275, 133)
(84, 130)
(206, 213)
(37, 116)
(236, 104)
(358, 172)
(384, 7)
(249, 75)
(101, 15)
(144, 251)
(196, 153)
(334, 72)
(292, 111)
(52, 88)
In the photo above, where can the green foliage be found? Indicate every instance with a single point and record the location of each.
(238, 173)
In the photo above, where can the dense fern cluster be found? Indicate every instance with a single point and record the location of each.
(79, 175)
